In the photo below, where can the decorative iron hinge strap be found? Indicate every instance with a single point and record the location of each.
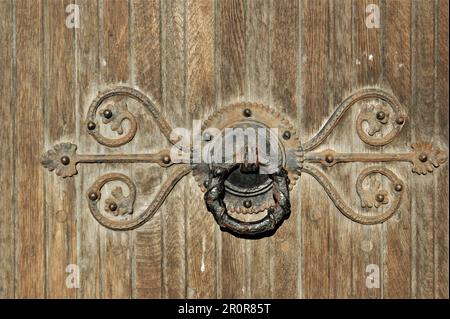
(380, 119)
(424, 157)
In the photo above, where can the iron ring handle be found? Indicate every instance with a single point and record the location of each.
(214, 200)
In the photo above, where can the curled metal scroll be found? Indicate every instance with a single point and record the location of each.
(115, 113)
(126, 204)
(398, 118)
(379, 121)
(118, 213)
(367, 197)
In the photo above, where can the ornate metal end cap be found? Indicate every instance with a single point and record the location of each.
(61, 159)
(427, 157)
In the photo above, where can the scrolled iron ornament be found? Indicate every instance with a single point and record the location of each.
(125, 205)
(381, 118)
(398, 116)
(116, 204)
(119, 113)
(366, 196)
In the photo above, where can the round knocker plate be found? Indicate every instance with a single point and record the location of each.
(242, 184)
(246, 191)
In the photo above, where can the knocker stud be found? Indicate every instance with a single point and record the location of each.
(247, 187)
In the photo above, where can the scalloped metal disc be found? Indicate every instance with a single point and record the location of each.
(257, 115)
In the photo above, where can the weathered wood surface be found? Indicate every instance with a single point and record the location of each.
(397, 75)
(145, 43)
(88, 81)
(191, 58)
(29, 188)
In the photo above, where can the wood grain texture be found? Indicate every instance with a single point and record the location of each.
(146, 51)
(88, 80)
(230, 79)
(366, 240)
(173, 17)
(258, 44)
(316, 108)
(283, 62)
(397, 73)
(422, 123)
(200, 102)
(60, 195)
(191, 58)
(231, 49)
(115, 247)
(441, 243)
(7, 262)
(342, 65)
(28, 180)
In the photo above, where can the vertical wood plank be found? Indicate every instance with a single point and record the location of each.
(397, 71)
(441, 134)
(258, 34)
(283, 62)
(29, 181)
(173, 216)
(422, 122)
(115, 54)
(7, 150)
(256, 57)
(342, 65)
(315, 205)
(60, 108)
(88, 73)
(200, 100)
(366, 240)
(115, 246)
(146, 48)
(231, 86)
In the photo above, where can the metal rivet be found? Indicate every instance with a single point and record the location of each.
(247, 112)
(207, 137)
(218, 171)
(166, 159)
(381, 115)
(400, 120)
(247, 203)
(423, 157)
(398, 187)
(93, 196)
(91, 126)
(65, 160)
(112, 207)
(107, 114)
(286, 135)
(379, 198)
(329, 159)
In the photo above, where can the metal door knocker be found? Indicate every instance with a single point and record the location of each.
(253, 179)
(215, 194)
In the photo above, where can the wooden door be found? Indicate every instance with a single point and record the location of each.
(192, 58)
